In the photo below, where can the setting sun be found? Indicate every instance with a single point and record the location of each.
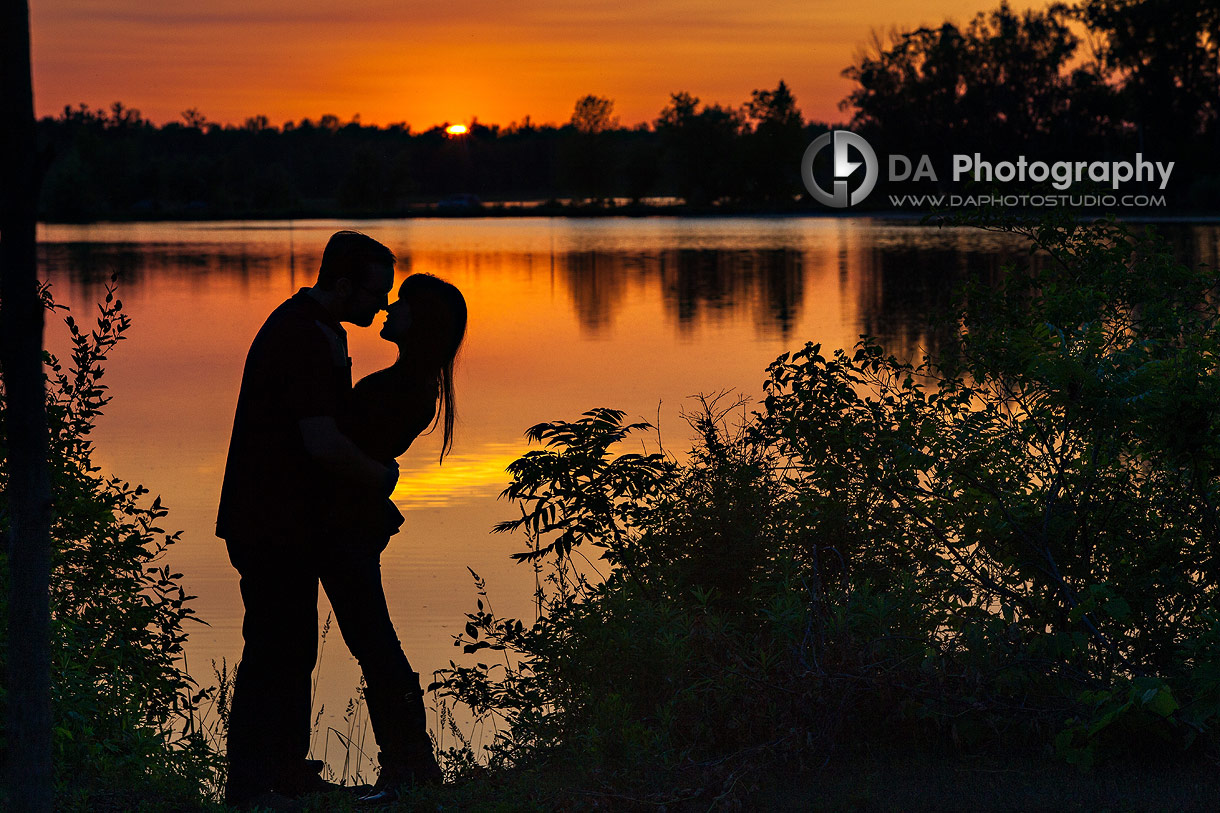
(456, 129)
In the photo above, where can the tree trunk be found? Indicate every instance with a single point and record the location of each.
(29, 499)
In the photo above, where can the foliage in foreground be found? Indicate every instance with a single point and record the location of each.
(1014, 545)
(129, 721)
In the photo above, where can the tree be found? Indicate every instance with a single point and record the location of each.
(1167, 53)
(681, 110)
(194, 119)
(27, 527)
(586, 159)
(773, 108)
(256, 124)
(700, 148)
(1002, 81)
(123, 116)
(594, 114)
(775, 144)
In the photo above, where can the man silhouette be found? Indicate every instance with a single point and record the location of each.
(285, 458)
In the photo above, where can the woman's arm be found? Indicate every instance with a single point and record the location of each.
(388, 411)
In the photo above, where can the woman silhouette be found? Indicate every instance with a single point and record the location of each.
(389, 409)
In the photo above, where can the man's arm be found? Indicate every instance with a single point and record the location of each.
(326, 444)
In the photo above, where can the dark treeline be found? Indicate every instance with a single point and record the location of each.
(118, 164)
(1099, 81)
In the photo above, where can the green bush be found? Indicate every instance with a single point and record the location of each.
(128, 720)
(1011, 543)
(1048, 485)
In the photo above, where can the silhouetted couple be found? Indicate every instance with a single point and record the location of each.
(306, 500)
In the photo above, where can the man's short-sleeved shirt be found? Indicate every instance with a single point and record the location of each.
(297, 368)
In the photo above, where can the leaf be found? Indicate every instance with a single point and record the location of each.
(1159, 701)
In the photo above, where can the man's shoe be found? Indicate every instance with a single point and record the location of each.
(304, 783)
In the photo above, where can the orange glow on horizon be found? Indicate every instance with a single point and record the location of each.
(406, 63)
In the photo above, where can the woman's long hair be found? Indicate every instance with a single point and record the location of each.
(445, 328)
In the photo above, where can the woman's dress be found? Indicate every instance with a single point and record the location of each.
(386, 413)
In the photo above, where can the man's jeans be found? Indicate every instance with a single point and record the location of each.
(269, 720)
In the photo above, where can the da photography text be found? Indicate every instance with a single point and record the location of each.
(856, 170)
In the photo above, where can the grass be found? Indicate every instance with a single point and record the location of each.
(856, 783)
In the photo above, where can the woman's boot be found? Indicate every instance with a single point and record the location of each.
(400, 725)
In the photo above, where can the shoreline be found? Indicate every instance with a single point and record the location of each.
(516, 211)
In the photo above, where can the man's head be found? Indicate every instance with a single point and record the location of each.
(356, 275)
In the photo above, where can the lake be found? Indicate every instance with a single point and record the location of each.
(565, 315)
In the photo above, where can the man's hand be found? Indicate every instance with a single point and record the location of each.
(326, 444)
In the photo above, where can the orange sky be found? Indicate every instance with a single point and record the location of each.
(429, 62)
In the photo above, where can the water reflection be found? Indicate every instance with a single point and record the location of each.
(907, 291)
(465, 476)
(92, 265)
(901, 274)
(1193, 242)
(696, 285)
(703, 284)
(564, 316)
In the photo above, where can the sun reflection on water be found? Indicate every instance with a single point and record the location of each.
(462, 477)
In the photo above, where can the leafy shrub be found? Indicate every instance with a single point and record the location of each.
(1049, 484)
(128, 718)
(1012, 542)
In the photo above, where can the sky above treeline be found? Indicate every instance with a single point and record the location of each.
(429, 63)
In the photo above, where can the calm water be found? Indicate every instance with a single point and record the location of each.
(565, 315)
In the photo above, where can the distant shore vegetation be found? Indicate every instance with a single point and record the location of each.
(1098, 81)
(116, 164)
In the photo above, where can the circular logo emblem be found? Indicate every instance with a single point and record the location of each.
(844, 167)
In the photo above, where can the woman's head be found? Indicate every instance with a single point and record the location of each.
(428, 323)
(429, 318)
